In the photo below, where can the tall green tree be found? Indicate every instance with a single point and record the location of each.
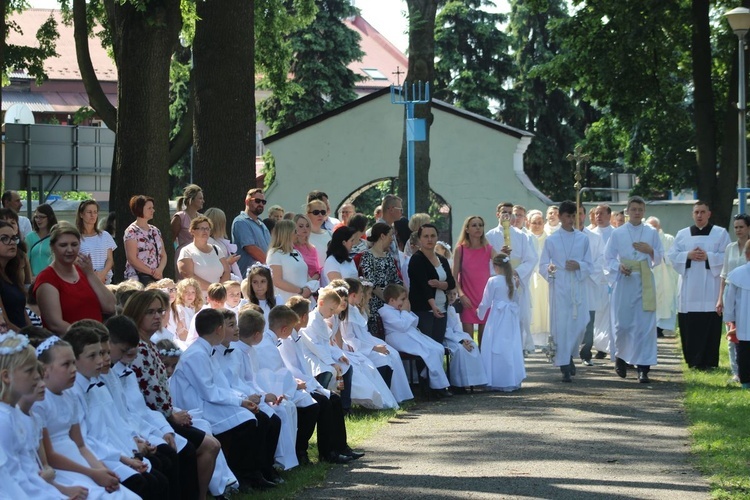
(321, 79)
(549, 111)
(472, 56)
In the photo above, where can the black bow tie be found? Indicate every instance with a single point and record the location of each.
(228, 350)
(126, 373)
(213, 351)
(278, 343)
(94, 384)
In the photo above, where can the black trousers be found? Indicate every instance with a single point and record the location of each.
(306, 418)
(331, 424)
(148, 485)
(588, 338)
(324, 379)
(700, 335)
(431, 326)
(743, 361)
(245, 448)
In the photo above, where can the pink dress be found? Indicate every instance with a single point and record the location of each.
(310, 255)
(475, 271)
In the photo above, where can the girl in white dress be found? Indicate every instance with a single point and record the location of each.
(502, 348)
(355, 333)
(261, 289)
(63, 442)
(188, 302)
(466, 367)
(20, 377)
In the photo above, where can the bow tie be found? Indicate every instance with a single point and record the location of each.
(126, 373)
(213, 351)
(94, 384)
(278, 343)
(228, 350)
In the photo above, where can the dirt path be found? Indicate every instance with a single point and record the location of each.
(599, 437)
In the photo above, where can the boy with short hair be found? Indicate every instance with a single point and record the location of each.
(216, 296)
(402, 333)
(198, 382)
(113, 447)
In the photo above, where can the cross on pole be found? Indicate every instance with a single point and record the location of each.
(580, 160)
(398, 74)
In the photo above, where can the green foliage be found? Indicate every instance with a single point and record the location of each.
(720, 429)
(321, 79)
(65, 195)
(268, 170)
(27, 58)
(83, 114)
(472, 56)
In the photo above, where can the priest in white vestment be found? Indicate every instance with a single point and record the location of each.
(737, 312)
(666, 284)
(632, 251)
(603, 340)
(596, 299)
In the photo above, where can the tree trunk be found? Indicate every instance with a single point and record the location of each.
(421, 69)
(143, 44)
(3, 41)
(224, 116)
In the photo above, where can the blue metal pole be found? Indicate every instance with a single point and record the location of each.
(410, 161)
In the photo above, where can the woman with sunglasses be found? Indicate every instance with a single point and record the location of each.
(12, 291)
(68, 289)
(37, 241)
(201, 260)
(288, 268)
(97, 244)
(317, 212)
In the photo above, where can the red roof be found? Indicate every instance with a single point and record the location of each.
(380, 55)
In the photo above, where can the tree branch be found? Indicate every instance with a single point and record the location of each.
(97, 97)
(184, 138)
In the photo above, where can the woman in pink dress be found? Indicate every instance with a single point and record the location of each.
(471, 267)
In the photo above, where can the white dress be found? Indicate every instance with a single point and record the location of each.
(569, 310)
(347, 269)
(355, 333)
(19, 446)
(402, 333)
(368, 387)
(633, 328)
(294, 270)
(466, 368)
(10, 488)
(57, 413)
(539, 289)
(502, 348)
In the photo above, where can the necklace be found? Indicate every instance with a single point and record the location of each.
(632, 240)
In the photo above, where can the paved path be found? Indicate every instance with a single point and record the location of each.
(599, 437)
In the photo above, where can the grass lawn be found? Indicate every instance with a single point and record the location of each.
(719, 415)
(359, 426)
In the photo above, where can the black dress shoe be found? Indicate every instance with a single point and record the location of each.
(336, 458)
(572, 368)
(601, 355)
(566, 377)
(621, 367)
(303, 459)
(443, 393)
(355, 455)
(643, 378)
(258, 482)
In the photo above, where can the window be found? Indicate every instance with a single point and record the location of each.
(374, 73)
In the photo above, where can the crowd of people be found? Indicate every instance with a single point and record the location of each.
(216, 381)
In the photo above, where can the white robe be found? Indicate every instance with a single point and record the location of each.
(355, 333)
(699, 287)
(402, 333)
(466, 368)
(603, 338)
(569, 310)
(634, 329)
(539, 287)
(666, 287)
(320, 354)
(198, 382)
(270, 359)
(523, 258)
(737, 301)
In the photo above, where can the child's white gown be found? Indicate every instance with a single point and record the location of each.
(502, 343)
(466, 368)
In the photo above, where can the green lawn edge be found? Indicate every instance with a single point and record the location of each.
(718, 412)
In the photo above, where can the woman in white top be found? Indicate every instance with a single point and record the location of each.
(319, 237)
(199, 259)
(734, 257)
(95, 243)
(287, 265)
(219, 238)
(338, 264)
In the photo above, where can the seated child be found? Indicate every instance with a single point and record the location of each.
(260, 289)
(216, 296)
(466, 368)
(402, 333)
(234, 296)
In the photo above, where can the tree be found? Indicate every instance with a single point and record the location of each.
(472, 56)
(421, 70)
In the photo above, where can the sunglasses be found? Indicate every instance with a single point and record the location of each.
(317, 212)
(257, 200)
(7, 240)
(151, 312)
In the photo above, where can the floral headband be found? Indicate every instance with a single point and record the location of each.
(444, 245)
(260, 264)
(506, 260)
(366, 283)
(170, 353)
(23, 342)
(48, 343)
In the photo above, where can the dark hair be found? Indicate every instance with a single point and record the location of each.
(358, 222)
(79, 220)
(606, 207)
(428, 225)
(137, 203)
(79, 337)
(743, 217)
(701, 202)
(44, 209)
(12, 271)
(7, 195)
(336, 246)
(502, 261)
(109, 223)
(95, 325)
(122, 330)
(392, 292)
(8, 213)
(641, 201)
(355, 286)
(264, 272)
(37, 335)
(299, 305)
(378, 230)
(281, 316)
(316, 195)
(401, 226)
(207, 321)
(568, 207)
(250, 322)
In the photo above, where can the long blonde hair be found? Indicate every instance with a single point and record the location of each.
(188, 194)
(182, 287)
(463, 238)
(219, 222)
(282, 237)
